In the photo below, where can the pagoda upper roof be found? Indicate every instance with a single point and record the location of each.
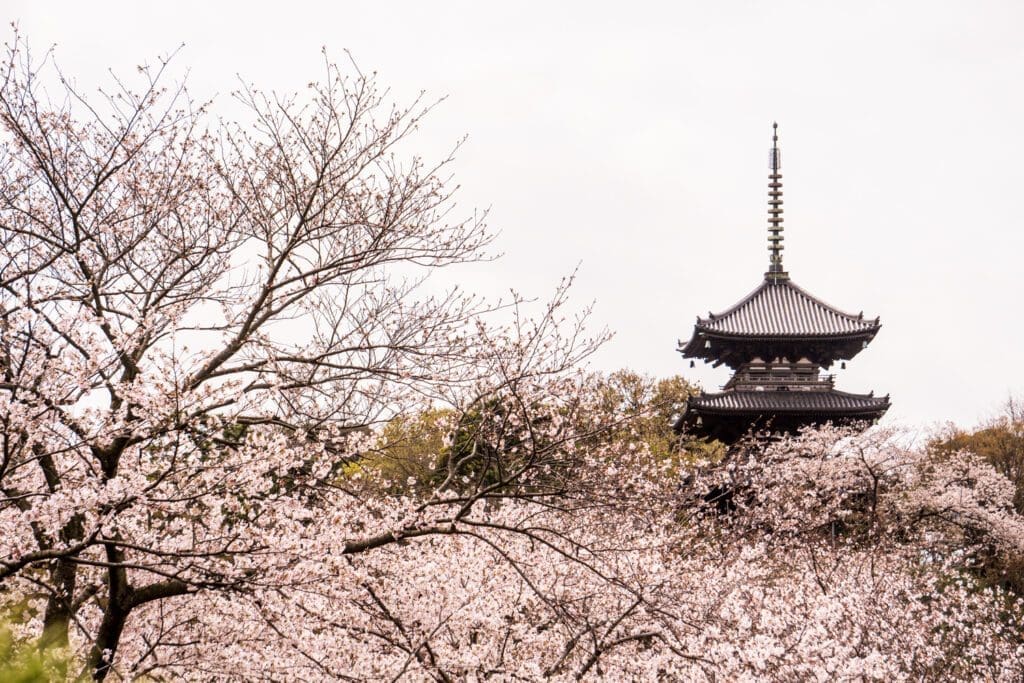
(779, 309)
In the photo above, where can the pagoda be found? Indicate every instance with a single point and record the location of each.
(778, 340)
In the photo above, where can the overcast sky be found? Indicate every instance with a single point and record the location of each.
(632, 138)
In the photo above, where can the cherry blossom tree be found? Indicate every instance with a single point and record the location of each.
(209, 333)
(202, 322)
(840, 560)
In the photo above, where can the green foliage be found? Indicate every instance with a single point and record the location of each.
(647, 408)
(999, 440)
(695, 449)
(484, 445)
(492, 444)
(29, 660)
(407, 452)
(488, 444)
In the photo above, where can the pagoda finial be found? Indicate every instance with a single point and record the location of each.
(775, 271)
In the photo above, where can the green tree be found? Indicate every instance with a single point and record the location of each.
(646, 408)
(419, 452)
(1000, 440)
(407, 452)
(29, 660)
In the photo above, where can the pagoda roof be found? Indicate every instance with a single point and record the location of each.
(818, 402)
(730, 415)
(779, 309)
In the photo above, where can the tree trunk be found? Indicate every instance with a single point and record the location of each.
(59, 610)
(101, 656)
(63, 578)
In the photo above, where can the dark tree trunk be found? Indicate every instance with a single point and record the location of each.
(101, 656)
(63, 579)
(59, 608)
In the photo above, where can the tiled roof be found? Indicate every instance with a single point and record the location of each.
(778, 308)
(789, 401)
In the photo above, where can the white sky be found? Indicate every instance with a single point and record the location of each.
(632, 138)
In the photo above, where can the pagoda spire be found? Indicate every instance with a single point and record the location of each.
(775, 273)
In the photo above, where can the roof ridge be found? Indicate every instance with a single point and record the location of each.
(732, 309)
(858, 320)
(834, 392)
(821, 302)
(786, 401)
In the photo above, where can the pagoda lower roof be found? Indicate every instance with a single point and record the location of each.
(778, 310)
(732, 415)
(793, 401)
